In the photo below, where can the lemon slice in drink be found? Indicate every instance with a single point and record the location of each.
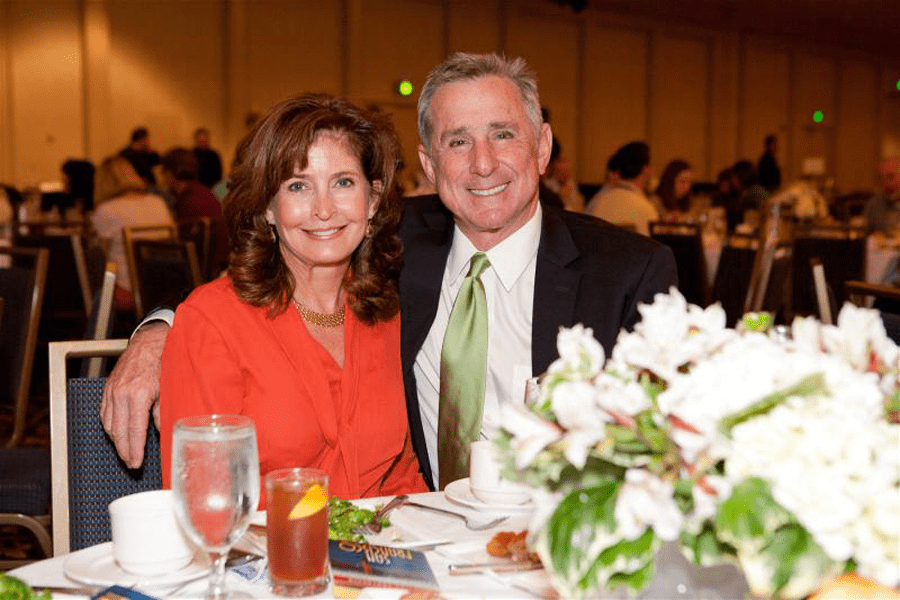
(312, 502)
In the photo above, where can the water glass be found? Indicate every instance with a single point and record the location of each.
(215, 478)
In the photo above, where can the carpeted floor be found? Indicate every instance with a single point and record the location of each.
(17, 543)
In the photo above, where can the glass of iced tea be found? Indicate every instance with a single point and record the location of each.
(297, 531)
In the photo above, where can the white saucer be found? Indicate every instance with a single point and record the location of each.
(97, 566)
(460, 492)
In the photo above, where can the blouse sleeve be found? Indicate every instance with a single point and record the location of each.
(200, 375)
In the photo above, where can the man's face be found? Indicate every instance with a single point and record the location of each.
(485, 160)
(890, 176)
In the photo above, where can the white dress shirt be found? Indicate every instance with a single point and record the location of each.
(509, 289)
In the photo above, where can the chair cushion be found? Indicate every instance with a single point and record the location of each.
(25, 481)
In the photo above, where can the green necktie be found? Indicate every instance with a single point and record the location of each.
(463, 375)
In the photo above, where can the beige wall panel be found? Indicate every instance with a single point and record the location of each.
(45, 76)
(724, 108)
(678, 103)
(614, 96)
(890, 111)
(7, 145)
(856, 127)
(551, 48)
(166, 71)
(398, 38)
(813, 89)
(474, 26)
(294, 47)
(765, 101)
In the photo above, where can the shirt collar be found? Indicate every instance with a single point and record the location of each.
(509, 258)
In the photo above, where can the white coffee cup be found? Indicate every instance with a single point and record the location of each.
(147, 539)
(485, 480)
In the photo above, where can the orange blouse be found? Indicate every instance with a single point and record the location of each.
(224, 356)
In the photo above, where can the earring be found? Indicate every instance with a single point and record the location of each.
(273, 231)
(369, 229)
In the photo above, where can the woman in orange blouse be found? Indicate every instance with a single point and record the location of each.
(303, 335)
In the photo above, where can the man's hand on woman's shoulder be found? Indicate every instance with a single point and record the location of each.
(132, 390)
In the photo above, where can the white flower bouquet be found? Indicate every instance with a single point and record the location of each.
(770, 449)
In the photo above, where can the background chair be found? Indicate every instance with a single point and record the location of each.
(24, 472)
(842, 250)
(22, 287)
(87, 473)
(100, 324)
(163, 272)
(687, 245)
(823, 298)
(205, 233)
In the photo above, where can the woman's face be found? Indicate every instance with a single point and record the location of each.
(321, 213)
(683, 183)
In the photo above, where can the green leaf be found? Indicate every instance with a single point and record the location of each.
(705, 548)
(750, 515)
(808, 386)
(757, 321)
(636, 580)
(791, 549)
(580, 516)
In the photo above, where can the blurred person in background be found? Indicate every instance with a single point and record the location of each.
(557, 179)
(141, 155)
(882, 210)
(624, 202)
(121, 200)
(209, 164)
(768, 170)
(674, 189)
(180, 169)
(751, 195)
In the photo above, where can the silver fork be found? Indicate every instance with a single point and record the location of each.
(469, 524)
(374, 526)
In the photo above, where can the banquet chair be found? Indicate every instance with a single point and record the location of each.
(203, 231)
(687, 245)
(69, 293)
(100, 324)
(842, 250)
(823, 298)
(22, 286)
(884, 298)
(87, 473)
(163, 271)
(24, 472)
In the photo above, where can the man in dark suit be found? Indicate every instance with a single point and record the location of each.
(484, 147)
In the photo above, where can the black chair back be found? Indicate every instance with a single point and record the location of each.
(687, 245)
(97, 475)
(22, 288)
(842, 251)
(163, 272)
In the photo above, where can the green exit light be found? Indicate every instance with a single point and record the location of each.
(405, 87)
(898, 85)
(818, 116)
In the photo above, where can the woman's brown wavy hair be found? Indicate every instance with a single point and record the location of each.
(278, 144)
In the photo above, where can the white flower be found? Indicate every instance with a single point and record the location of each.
(579, 352)
(644, 501)
(625, 397)
(574, 406)
(531, 434)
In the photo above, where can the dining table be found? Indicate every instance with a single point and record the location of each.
(457, 556)
(445, 541)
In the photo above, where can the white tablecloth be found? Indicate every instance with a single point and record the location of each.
(409, 525)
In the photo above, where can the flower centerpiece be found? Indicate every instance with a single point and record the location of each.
(771, 449)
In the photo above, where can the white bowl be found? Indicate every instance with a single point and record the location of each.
(507, 493)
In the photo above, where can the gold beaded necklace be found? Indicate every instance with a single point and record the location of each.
(321, 319)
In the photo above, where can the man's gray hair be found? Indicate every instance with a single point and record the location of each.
(462, 66)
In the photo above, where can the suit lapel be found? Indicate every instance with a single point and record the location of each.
(556, 281)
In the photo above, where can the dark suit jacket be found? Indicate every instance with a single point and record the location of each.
(588, 271)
